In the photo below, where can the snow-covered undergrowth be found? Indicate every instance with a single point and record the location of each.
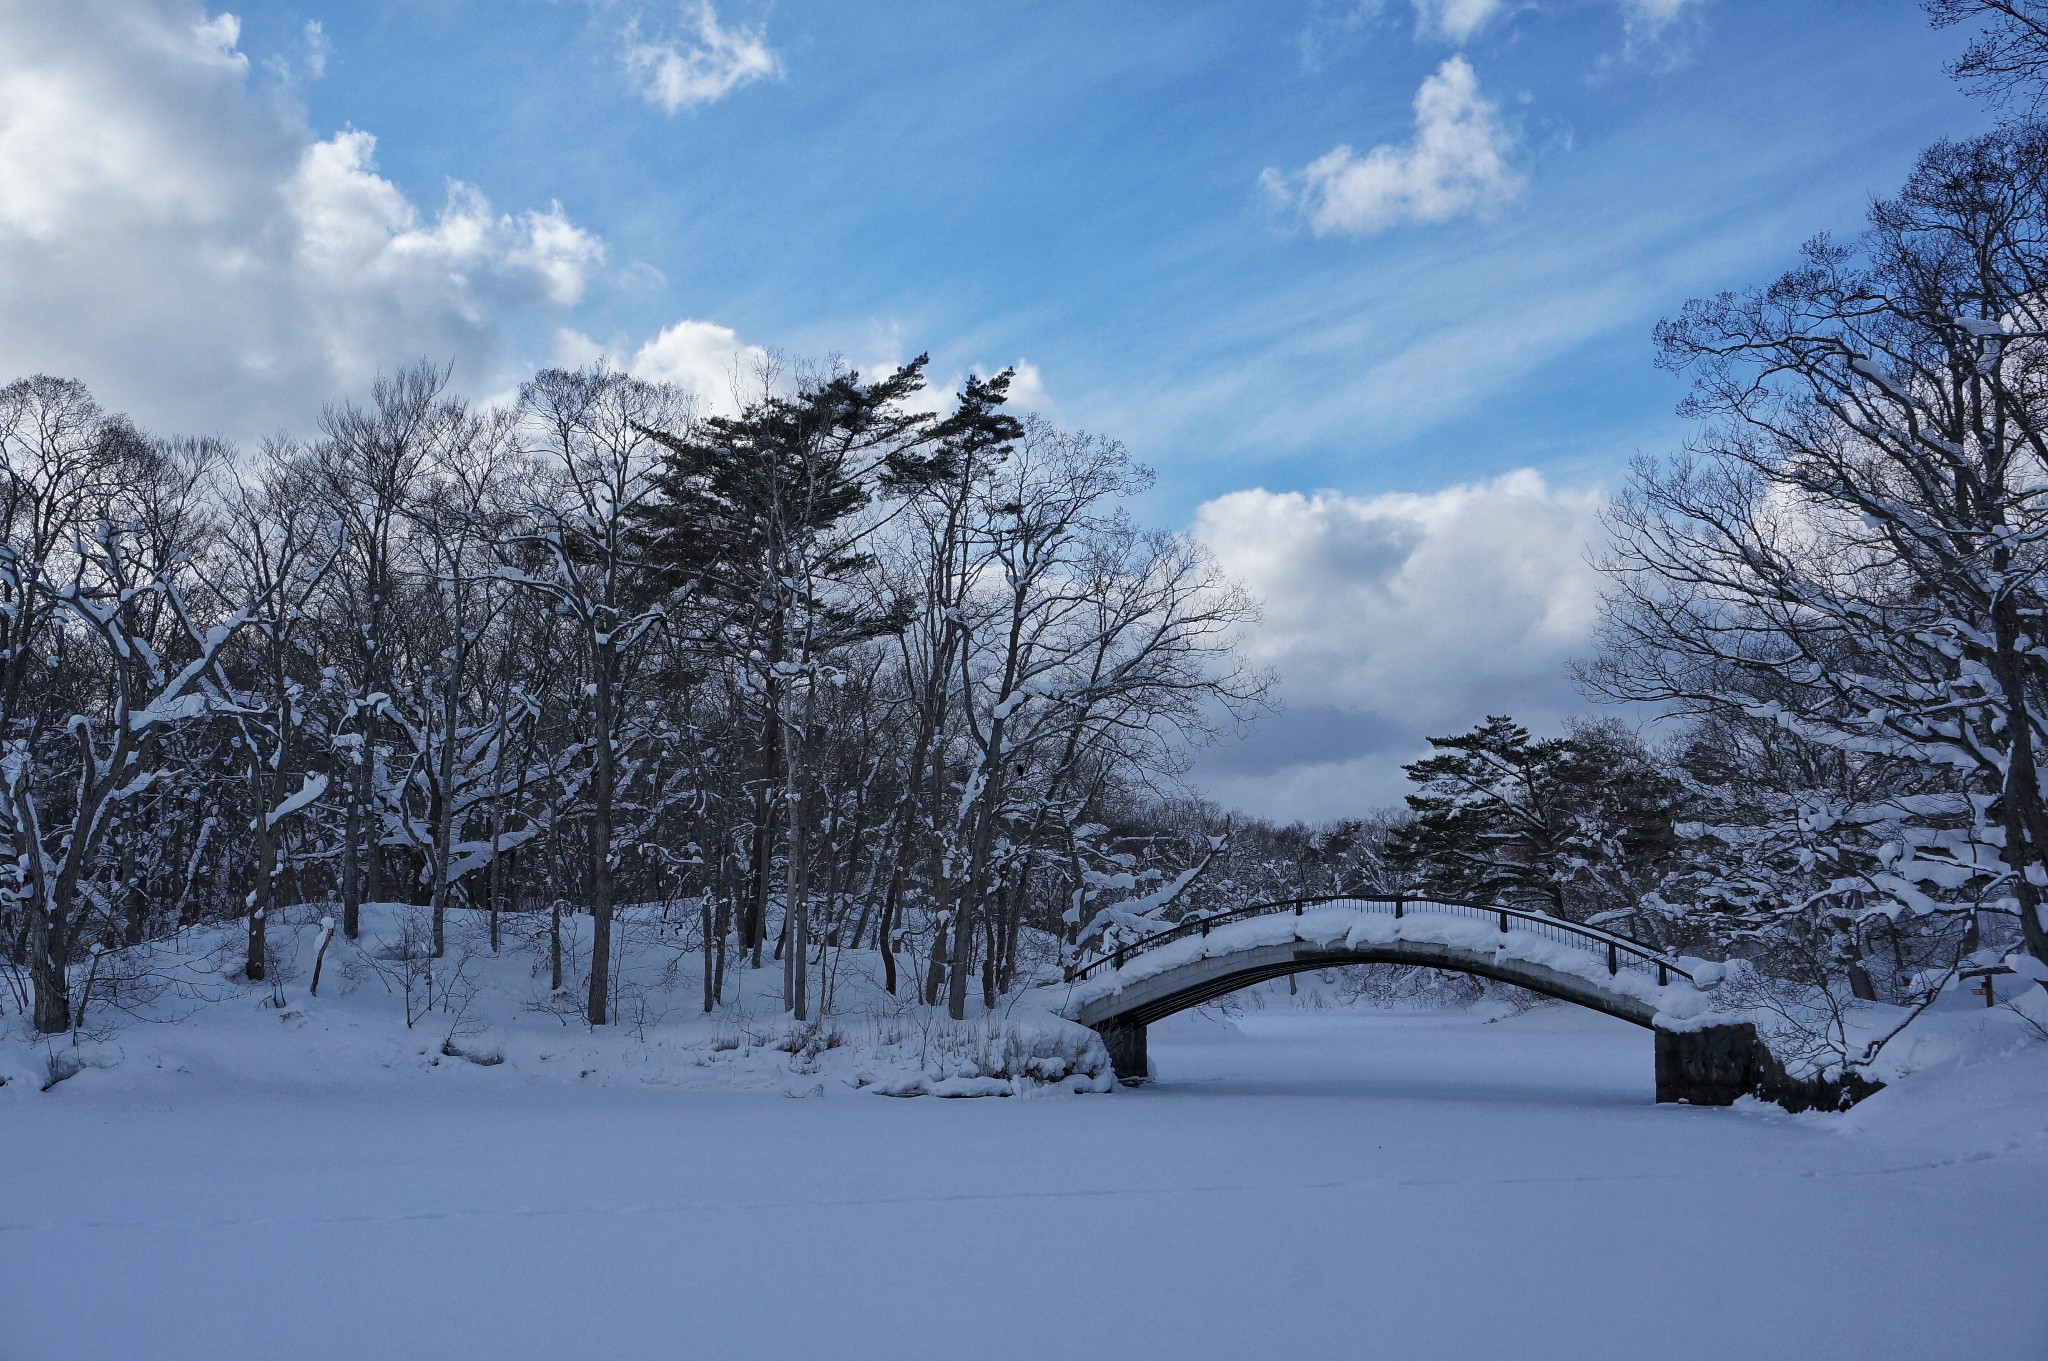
(386, 1011)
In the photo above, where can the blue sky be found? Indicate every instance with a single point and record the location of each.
(1346, 367)
(1079, 184)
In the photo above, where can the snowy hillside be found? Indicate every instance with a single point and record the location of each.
(178, 1014)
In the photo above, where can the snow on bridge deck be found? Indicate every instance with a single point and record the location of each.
(1561, 958)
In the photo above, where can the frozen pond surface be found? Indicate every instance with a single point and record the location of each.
(1308, 1185)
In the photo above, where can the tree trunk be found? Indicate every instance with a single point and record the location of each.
(885, 928)
(722, 927)
(754, 925)
(496, 891)
(135, 901)
(444, 810)
(47, 949)
(352, 847)
(373, 830)
(555, 946)
(256, 961)
(798, 910)
(603, 775)
(710, 995)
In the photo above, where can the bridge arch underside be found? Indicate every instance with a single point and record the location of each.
(1713, 1066)
(1146, 1000)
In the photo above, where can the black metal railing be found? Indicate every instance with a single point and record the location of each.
(1619, 952)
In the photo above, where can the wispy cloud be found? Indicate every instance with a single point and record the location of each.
(1649, 27)
(1457, 164)
(1654, 14)
(712, 62)
(318, 49)
(1455, 20)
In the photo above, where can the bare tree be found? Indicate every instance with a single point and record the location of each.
(593, 429)
(1853, 549)
(279, 548)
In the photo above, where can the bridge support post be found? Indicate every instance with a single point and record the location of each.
(1125, 1041)
(1707, 1067)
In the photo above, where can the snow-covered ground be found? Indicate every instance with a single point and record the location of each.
(1296, 1184)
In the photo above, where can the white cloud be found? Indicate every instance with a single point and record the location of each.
(318, 49)
(1027, 388)
(356, 227)
(1028, 391)
(184, 243)
(1395, 617)
(1457, 20)
(1654, 13)
(703, 357)
(723, 372)
(1648, 25)
(217, 39)
(710, 65)
(1456, 165)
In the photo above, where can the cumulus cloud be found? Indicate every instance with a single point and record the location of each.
(1456, 165)
(707, 359)
(182, 241)
(354, 225)
(1396, 617)
(705, 67)
(1027, 387)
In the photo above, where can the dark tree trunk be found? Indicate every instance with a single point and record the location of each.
(603, 775)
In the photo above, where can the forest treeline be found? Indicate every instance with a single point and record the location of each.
(837, 669)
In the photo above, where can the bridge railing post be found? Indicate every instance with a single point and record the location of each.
(1399, 903)
(1503, 922)
(1297, 907)
(1663, 973)
(1613, 960)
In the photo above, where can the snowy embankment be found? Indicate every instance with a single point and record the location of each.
(178, 1014)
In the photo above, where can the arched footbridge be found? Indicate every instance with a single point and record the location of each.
(1699, 1056)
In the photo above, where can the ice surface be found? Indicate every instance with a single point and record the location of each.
(316, 1184)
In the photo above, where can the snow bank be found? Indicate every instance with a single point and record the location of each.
(180, 1016)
